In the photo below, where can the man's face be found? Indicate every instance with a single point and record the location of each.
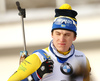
(62, 39)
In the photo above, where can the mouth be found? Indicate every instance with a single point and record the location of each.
(62, 44)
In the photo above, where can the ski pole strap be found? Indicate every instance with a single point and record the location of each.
(23, 54)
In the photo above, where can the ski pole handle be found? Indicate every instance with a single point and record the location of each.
(21, 11)
(18, 5)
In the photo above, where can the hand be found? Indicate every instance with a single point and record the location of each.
(22, 59)
(46, 67)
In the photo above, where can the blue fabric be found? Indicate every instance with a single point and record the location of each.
(61, 60)
(43, 53)
(65, 23)
(34, 75)
(25, 79)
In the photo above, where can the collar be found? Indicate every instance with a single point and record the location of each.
(60, 57)
(65, 53)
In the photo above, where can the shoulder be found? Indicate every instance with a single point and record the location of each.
(83, 59)
(80, 56)
(79, 53)
(42, 54)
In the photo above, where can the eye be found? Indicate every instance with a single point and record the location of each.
(67, 34)
(57, 33)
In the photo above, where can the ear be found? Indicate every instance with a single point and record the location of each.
(74, 38)
(52, 34)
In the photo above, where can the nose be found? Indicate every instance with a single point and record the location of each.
(62, 38)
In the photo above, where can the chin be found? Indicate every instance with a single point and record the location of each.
(61, 50)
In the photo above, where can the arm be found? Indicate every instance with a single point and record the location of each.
(46, 67)
(87, 77)
(27, 67)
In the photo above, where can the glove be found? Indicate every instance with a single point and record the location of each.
(46, 67)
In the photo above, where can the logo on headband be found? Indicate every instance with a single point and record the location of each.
(64, 21)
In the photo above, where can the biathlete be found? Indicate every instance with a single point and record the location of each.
(60, 61)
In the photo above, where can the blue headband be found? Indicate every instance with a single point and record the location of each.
(65, 23)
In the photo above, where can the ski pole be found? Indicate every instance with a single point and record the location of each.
(23, 54)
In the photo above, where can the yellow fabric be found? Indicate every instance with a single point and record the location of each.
(65, 6)
(27, 67)
(87, 78)
(47, 49)
(88, 65)
(64, 53)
